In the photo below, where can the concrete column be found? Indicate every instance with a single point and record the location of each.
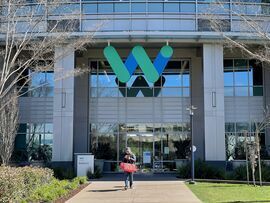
(266, 93)
(81, 121)
(214, 115)
(197, 101)
(63, 105)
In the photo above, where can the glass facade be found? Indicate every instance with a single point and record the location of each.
(243, 78)
(243, 88)
(40, 84)
(130, 114)
(33, 142)
(236, 134)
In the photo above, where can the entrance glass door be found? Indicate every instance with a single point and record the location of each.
(142, 146)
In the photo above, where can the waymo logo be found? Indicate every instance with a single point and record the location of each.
(138, 57)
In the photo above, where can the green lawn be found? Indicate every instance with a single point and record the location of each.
(220, 192)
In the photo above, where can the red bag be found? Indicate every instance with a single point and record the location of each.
(128, 167)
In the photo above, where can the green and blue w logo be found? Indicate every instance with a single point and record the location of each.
(138, 57)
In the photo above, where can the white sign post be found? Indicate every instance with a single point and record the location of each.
(83, 163)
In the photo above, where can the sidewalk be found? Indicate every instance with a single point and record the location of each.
(144, 192)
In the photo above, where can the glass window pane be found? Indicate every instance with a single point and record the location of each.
(171, 7)
(155, 7)
(48, 128)
(229, 127)
(138, 7)
(107, 92)
(241, 78)
(186, 80)
(121, 7)
(242, 126)
(228, 78)
(89, 8)
(187, 8)
(93, 92)
(255, 73)
(228, 91)
(107, 80)
(105, 8)
(186, 92)
(93, 80)
(172, 80)
(241, 91)
(171, 92)
(256, 91)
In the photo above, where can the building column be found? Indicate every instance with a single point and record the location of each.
(63, 104)
(197, 101)
(266, 93)
(214, 115)
(81, 111)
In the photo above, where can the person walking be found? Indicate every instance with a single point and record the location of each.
(131, 159)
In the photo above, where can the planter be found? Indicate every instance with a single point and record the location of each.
(37, 163)
(181, 162)
(99, 163)
(266, 162)
(237, 163)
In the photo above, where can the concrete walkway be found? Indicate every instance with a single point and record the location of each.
(173, 191)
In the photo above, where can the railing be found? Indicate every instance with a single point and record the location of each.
(123, 15)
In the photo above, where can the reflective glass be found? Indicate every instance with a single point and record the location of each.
(171, 7)
(228, 78)
(121, 7)
(171, 92)
(172, 80)
(228, 91)
(105, 8)
(186, 80)
(155, 7)
(256, 91)
(229, 127)
(89, 8)
(241, 77)
(107, 80)
(138, 7)
(241, 91)
(187, 7)
(242, 126)
(186, 92)
(107, 92)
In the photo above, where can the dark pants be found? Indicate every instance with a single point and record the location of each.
(128, 177)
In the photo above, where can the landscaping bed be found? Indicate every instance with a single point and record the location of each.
(34, 184)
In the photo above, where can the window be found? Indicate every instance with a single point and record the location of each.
(42, 84)
(174, 82)
(32, 140)
(242, 78)
(235, 136)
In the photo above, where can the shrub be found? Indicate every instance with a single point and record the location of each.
(63, 173)
(240, 173)
(97, 173)
(202, 171)
(55, 190)
(16, 183)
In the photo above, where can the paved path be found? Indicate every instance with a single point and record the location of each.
(173, 191)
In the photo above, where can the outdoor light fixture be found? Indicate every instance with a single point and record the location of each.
(191, 109)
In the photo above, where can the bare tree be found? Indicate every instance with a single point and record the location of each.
(8, 126)
(29, 34)
(247, 29)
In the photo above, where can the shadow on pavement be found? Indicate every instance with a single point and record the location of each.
(139, 177)
(110, 190)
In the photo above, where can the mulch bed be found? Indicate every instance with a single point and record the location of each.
(71, 194)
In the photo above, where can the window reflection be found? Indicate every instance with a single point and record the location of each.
(242, 78)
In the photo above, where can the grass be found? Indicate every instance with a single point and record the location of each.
(222, 192)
